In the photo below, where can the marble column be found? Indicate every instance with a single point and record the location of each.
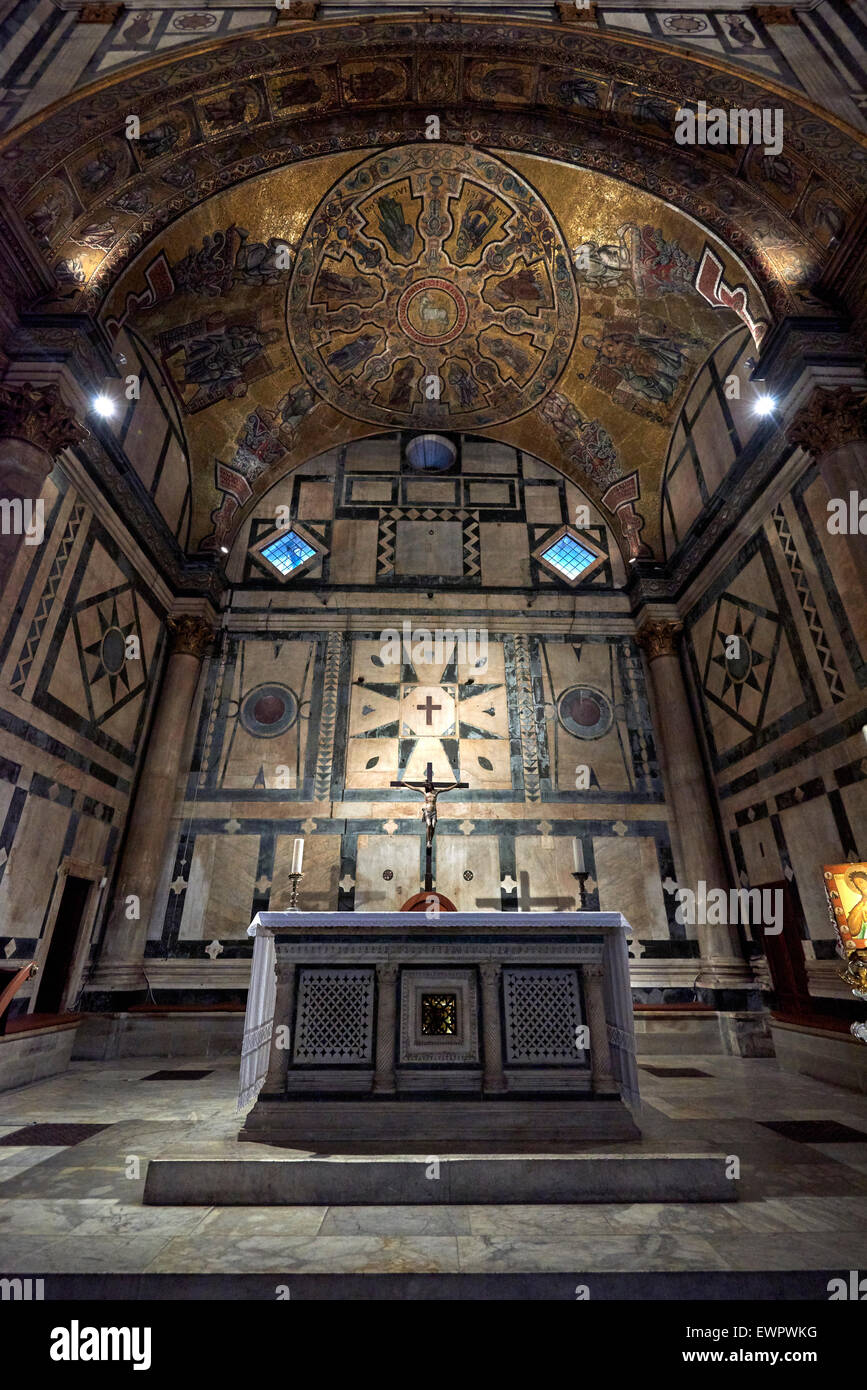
(386, 982)
(601, 1069)
(701, 856)
(281, 1042)
(832, 426)
(35, 426)
(150, 831)
(491, 973)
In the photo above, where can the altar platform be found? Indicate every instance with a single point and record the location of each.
(462, 1032)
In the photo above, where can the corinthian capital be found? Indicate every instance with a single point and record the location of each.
(39, 416)
(830, 418)
(191, 636)
(659, 637)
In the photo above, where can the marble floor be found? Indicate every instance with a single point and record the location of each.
(75, 1209)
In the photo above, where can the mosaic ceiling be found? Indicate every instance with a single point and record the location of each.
(433, 288)
(556, 260)
(546, 303)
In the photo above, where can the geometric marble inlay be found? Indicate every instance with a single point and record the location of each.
(741, 657)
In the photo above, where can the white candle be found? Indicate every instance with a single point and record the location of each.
(297, 856)
(578, 855)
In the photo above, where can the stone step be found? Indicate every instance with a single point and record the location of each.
(439, 1126)
(269, 1180)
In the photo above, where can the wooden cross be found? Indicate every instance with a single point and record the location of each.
(430, 790)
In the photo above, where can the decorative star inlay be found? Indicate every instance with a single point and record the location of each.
(390, 827)
(508, 883)
(346, 884)
(179, 885)
(590, 884)
(466, 827)
(232, 827)
(214, 950)
(741, 658)
(308, 826)
(669, 884)
(108, 653)
(262, 885)
(545, 827)
(619, 827)
(428, 704)
(10, 948)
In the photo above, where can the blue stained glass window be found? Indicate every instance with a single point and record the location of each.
(288, 552)
(568, 556)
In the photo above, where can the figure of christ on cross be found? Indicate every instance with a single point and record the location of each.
(430, 790)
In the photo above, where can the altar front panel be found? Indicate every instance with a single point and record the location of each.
(471, 1004)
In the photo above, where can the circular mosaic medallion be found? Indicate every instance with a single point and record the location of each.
(269, 710)
(433, 289)
(432, 311)
(584, 712)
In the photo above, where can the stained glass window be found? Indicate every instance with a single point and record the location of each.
(439, 1014)
(287, 552)
(568, 556)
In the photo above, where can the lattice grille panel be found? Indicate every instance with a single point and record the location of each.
(542, 1012)
(335, 1017)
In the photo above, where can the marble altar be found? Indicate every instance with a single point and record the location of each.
(505, 1029)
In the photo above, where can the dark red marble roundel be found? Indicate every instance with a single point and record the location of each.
(585, 711)
(269, 709)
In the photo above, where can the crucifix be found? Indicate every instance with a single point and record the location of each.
(430, 790)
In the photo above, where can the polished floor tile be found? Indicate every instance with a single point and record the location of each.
(801, 1205)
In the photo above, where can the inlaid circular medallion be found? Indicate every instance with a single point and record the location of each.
(432, 311)
(433, 289)
(113, 650)
(585, 712)
(269, 710)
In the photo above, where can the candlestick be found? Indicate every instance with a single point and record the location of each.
(297, 856)
(581, 879)
(294, 880)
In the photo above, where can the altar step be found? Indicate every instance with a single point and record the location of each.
(440, 1126)
(267, 1180)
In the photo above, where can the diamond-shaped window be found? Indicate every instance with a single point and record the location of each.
(570, 556)
(288, 552)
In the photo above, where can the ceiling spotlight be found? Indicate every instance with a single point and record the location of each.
(224, 550)
(765, 405)
(104, 406)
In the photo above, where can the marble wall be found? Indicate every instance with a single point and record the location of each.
(81, 646)
(311, 710)
(784, 723)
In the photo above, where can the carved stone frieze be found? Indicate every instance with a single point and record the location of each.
(829, 419)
